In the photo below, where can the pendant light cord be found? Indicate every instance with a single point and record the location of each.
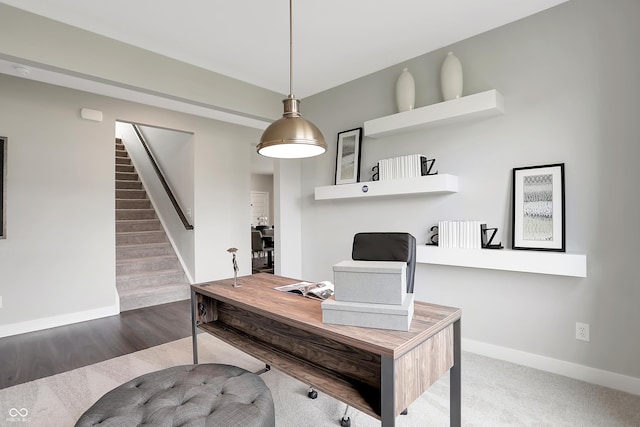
(290, 49)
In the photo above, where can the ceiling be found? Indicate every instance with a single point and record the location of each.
(334, 41)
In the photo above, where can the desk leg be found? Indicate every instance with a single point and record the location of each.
(455, 395)
(194, 327)
(387, 393)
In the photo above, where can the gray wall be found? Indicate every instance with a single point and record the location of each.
(34, 40)
(57, 264)
(569, 76)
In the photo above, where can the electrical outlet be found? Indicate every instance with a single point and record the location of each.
(582, 331)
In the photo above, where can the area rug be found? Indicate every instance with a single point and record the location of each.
(495, 393)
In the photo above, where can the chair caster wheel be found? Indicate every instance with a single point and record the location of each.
(345, 422)
(312, 394)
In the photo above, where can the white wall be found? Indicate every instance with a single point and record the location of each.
(57, 264)
(173, 151)
(569, 77)
(288, 222)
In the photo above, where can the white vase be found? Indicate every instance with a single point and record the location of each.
(451, 77)
(405, 91)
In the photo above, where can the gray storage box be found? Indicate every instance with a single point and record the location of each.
(380, 282)
(381, 316)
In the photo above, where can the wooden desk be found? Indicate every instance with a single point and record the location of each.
(376, 371)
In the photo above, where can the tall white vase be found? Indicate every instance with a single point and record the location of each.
(405, 91)
(451, 77)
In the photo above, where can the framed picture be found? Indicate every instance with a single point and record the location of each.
(348, 156)
(538, 208)
(3, 187)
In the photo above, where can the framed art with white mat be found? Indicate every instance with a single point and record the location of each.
(538, 221)
(348, 156)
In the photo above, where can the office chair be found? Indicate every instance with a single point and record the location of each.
(257, 246)
(260, 245)
(382, 246)
(387, 246)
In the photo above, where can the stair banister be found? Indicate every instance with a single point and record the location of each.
(165, 185)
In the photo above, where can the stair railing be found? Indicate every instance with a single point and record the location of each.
(165, 185)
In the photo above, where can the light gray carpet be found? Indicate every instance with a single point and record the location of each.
(495, 393)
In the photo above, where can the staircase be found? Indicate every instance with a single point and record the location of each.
(148, 271)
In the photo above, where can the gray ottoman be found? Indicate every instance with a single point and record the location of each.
(190, 395)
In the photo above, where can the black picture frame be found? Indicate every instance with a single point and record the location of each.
(348, 156)
(3, 187)
(538, 210)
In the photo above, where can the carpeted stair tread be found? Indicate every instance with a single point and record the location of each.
(131, 194)
(156, 289)
(145, 245)
(140, 237)
(158, 274)
(122, 185)
(130, 300)
(149, 265)
(146, 250)
(128, 213)
(143, 259)
(131, 225)
(133, 204)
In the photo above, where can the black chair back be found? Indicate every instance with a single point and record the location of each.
(385, 246)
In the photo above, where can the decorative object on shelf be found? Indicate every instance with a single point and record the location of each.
(348, 156)
(427, 165)
(291, 136)
(487, 241)
(433, 239)
(375, 176)
(451, 79)
(538, 221)
(409, 166)
(235, 267)
(405, 91)
(460, 234)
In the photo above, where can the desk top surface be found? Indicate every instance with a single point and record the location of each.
(256, 294)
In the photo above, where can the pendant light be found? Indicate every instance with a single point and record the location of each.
(291, 137)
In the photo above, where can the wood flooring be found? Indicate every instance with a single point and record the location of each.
(39, 354)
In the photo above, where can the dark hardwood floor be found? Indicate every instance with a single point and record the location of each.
(39, 354)
(260, 265)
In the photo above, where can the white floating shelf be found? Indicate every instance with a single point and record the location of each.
(542, 262)
(440, 183)
(483, 104)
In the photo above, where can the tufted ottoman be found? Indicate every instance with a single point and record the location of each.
(190, 395)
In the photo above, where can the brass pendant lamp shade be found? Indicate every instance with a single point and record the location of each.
(291, 137)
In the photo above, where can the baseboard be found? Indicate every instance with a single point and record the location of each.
(572, 370)
(55, 321)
